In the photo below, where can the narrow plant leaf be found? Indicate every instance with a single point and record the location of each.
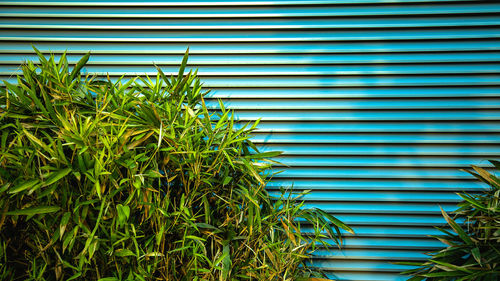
(183, 64)
(64, 222)
(41, 56)
(79, 65)
(34, 211)
(457, 228)
(23, 186)
(124, 253)
(56, 176)
(451, 267)
(226, 262)
(477, 255)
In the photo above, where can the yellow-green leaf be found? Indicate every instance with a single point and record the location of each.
(23, 186)
(34, 211)
(57, 175)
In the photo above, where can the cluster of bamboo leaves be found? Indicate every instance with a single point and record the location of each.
(137, 180)
(473, 248)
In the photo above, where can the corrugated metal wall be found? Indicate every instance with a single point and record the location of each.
(376, 104)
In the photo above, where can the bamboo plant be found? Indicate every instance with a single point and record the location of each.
(136, 179)
(472, 249)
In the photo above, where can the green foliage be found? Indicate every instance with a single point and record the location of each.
(138, 180)
(473, 251)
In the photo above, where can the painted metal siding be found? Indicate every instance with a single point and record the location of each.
(376, 104)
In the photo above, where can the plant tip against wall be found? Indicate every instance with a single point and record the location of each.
(472, 249)
(137, 180)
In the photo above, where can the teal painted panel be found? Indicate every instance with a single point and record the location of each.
(375, 104)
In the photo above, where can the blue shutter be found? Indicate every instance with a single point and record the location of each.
(376, 104)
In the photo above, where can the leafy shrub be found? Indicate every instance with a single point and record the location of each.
(473, 251)
(138, 180)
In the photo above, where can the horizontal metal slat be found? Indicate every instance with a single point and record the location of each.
(118, 11)
(378, 196)
(347, 81)
(373, 173)
(360, 265)
(377, 161)
(367, 255)
(255, 36)
(299, 115)
(378, 184)
(253, 47)
(399, 227)
(391, 243)
(364, 93)
(248, 24)
(382, 207)
(481, 151)
(330, 82)
(209, 3)
(364, 276)
(293, 70)
(390, 224)
(205, 63)
(363, 138)
(356, 104)
(377, 127)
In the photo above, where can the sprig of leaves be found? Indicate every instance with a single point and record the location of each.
(473, 248)
(138, 180)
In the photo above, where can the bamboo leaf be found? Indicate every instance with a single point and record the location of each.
(226, 262)
(56, 176)
(457, 228)
(477, 255)
(64, 222)
(34, 211)
(451, 267)
(23, 186)
(123, 213)
(79, 65)
(42, 58)
(124, 253)
(183, 64)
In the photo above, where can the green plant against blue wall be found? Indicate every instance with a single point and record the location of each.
(138, 180)
(473, 248)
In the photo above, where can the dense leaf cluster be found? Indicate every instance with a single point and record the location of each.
(473, 248)
(138, 180)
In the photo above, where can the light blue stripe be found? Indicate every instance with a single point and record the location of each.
(376, 138)
(256, 36)
(242, 24)
(253, 47)
(385, 185)
(294, 70)
(377, 161)
(250, 12)
(348, 115)
(379, 196)
(156, 3)
(482, 151)
(206, 62)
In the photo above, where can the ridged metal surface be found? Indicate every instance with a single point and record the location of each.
(376, 104)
